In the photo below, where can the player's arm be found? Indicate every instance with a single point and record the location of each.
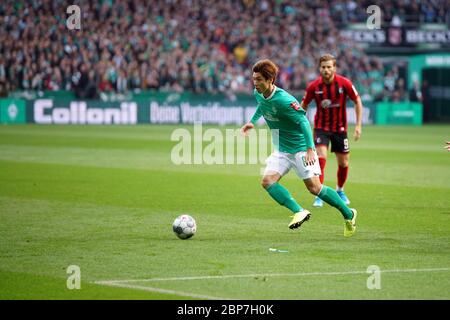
(305, 127)
(299, 116)
(307, 132)
(358, 111)
(309, 95)
(251, 124)
(353, 94)
(303, 105)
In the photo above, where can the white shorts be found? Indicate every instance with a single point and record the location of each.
(282, 162)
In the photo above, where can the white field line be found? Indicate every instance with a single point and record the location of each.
(256, 275)
(125, 283)
(159, 290)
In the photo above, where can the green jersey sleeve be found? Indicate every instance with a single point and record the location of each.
(257, 115)
(299, 116)
(306, 130)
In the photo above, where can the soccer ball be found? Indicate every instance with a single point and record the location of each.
(184, 226)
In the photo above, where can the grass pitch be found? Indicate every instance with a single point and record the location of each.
(104, 198)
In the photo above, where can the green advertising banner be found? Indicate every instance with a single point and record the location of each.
(62, 111)
(149, 108)
(205, 110)
(398, 113)
(12, 111)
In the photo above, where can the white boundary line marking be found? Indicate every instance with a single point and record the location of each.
(158, 290)
(231, 276)
(126, 283)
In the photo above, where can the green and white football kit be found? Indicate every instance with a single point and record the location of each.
(291, 133)
(292, 136)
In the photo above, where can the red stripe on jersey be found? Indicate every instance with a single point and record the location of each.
(343, 122)
(294, 105)
(326, 94)
(334, 122)
(339, 97)
(318, 97)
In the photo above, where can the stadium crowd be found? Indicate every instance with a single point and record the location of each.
(402, 12)
(178, 45)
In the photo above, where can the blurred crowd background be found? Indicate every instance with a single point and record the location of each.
(194, 45)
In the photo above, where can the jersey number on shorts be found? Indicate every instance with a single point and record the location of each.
(304, 161)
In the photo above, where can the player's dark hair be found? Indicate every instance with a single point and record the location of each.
(267, 68)
(327, 57)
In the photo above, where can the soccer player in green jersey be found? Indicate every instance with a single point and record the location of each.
(294, 148)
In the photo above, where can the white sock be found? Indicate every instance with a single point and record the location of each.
(339, 189)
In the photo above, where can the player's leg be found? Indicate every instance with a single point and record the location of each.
(328, 195)
(277, 166)
(279, 193)
(321, 141)
(331, 197)
(322, 154)
(342, 173)
(322, 150)
(339, 145)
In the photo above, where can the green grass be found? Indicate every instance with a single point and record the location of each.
(104, 198)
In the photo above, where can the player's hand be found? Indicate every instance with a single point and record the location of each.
(310, 157)
(246, 127)
(357, 133)
(447, 146)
